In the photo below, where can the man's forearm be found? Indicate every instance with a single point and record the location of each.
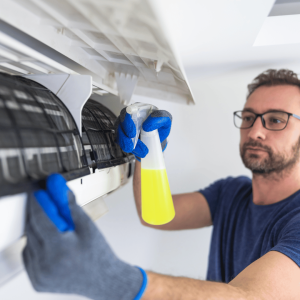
(162, 287)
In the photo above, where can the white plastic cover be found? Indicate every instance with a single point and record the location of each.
(120, 43)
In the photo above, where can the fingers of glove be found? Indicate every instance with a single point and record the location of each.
(163, 133)
(140, 150)
(58, 190)
(124, 141)
(161, 114)
(161, 120)
(40, 216)
(164, 145)
(127, 124)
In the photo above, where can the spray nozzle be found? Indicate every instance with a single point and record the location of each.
(139, 113)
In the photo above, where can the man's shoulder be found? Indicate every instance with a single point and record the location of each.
(293, 202)
(221, 194)
(236, 182)
(229, 186)
(235, 189)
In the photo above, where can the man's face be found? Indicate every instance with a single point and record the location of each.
(264, 151)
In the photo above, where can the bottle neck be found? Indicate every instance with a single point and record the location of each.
(149, 133)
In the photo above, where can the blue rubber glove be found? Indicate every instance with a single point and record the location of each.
(66, 253)
(55, 202)
(125, 131)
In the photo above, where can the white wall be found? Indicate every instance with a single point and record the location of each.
(203, 147)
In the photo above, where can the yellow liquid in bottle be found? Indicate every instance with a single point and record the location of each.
(157, 202)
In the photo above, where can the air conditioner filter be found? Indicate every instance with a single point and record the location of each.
(98, 136)
(38, 136)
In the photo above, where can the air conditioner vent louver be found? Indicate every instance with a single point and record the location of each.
(98, 136)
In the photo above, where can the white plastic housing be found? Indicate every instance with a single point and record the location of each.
(154, 160)
(124, 45)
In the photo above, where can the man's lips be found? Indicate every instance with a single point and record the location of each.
(255, 149)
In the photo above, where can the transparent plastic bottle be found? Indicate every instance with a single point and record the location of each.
(157, 202)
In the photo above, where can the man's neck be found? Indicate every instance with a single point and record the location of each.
(272, 188)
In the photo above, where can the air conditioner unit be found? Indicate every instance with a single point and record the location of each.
(58, 61)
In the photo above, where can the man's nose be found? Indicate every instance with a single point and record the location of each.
(257, 131)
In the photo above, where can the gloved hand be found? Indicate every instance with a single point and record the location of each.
(125, 131)
(66, 253)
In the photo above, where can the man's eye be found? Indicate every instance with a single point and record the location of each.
(276, 121)
(247, 119)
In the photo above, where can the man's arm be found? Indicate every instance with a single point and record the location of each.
(273, 276)
(191, 210)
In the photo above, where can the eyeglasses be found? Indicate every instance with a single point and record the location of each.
(272, 120)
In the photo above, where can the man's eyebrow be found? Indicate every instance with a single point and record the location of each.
(249, 109)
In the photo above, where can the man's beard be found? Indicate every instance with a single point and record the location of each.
(275, 163)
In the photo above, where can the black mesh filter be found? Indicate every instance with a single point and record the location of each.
(98, 136)
(38, 136)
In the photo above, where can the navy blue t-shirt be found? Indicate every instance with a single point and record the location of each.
(244, 231)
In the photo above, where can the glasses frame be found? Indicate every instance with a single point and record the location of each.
(262, 119)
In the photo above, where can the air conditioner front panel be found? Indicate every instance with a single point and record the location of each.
(121, 44)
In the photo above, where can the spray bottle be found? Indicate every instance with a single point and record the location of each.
(157, 202)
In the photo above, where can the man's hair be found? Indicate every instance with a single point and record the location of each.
(273, 77)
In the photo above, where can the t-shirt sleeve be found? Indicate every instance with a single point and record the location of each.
(289, 240)
(212, 194)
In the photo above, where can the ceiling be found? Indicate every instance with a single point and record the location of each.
(216, 36)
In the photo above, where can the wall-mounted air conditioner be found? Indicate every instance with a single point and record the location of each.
(58, 59)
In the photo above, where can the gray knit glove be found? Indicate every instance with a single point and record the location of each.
(74, 261)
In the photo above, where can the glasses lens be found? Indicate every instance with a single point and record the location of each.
(276, 120)
(244, 119)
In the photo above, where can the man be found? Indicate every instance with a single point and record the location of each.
(255, 247)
